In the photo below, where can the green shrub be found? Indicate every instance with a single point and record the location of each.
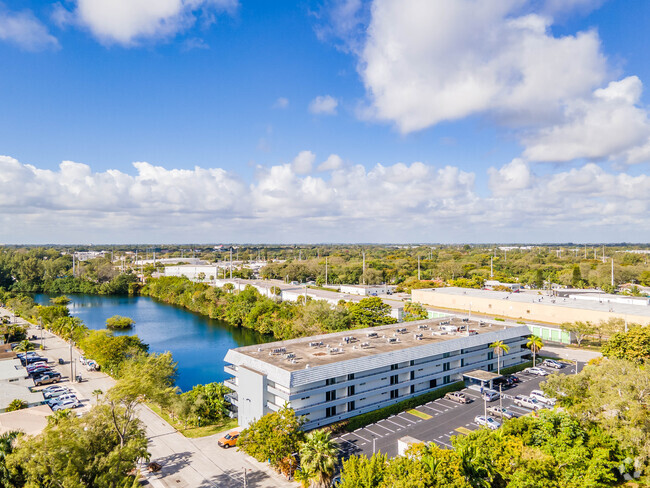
(499, 319)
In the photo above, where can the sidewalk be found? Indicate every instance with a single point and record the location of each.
(195, 463)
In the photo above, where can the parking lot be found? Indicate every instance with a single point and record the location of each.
(436, 421)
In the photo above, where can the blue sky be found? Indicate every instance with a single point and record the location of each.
(334, 121)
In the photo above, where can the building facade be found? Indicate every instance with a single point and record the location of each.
(336, 376)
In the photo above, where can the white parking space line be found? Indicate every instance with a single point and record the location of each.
(446, 403)
(345, 440)
(437, 441)
(362, 438)
(399, 426)
(433, 409)
(375, 433)
(406, 419)
(384, 427)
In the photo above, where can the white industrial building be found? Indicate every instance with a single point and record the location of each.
(366, 290)
(332, 377)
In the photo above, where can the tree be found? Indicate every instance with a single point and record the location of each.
(97, 393)
(16, 404)
(24, 346)
(201, 276)
(633, 345)
(318, 455)
(109, 350)
(499, 348)
(414, 311)
(117, 322)
(535, 344)
(579, 329)
(147, 377)
(273, 437)
(369, 312)
(61, 300)
(576, 277)
(78, 452)
(7, 441)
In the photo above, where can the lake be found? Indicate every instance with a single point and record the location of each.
(197, 343)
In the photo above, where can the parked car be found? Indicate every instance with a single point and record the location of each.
(527, 402)
(31, 359)
(33, 366)
(490, 395)
(47, 378)
(39, 371)
(61, 361)
(540, 397)
(504, 382)
(537, 371)
(64, 405)
(512, 377)
(92, 365)
(229, 440)
(488, 422)
(552, 363)
(62, 398)
(54, 391)
(504, 413)
(458, 397)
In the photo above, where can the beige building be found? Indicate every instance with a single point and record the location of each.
(532, 306)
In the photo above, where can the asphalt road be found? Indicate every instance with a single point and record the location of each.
(442, 420)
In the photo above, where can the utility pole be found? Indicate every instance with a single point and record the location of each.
(491, 268)
(73, 263)
(231, 262)
(612, 270)
(325, 270)
(245, 480)
(418, 268)
(363, 273)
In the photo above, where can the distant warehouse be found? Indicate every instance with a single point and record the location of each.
(535, 307)
(332, 377)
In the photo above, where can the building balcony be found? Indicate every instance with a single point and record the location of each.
(231, 383)
(230, 369)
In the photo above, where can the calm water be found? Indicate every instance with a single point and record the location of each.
(197, 343)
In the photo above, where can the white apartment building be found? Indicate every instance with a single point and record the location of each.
(332, 377)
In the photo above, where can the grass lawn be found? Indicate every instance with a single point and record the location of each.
(192, 431)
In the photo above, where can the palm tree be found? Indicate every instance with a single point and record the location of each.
(303, 477)
(16, 404)
(318, 456)
(6, 448)
(499, 348)
(96, 393)
(24, 346)
(535, 344)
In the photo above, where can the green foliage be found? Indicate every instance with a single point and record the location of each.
(109, 350)
(61, 300)
(274, 437)
(535, 344)
(369, 312)
(203, 404)
(49, 314)
(7, 441)
(580, 329)
(16, 404)
(24, 346)
(633, 345)
(78, 453)
(318, 455)
(117, 322)
(414, 311)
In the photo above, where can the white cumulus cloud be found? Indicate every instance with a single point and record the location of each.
(333, 161)
(325, 104)
(25, 30)
(127, 22)
(303, 162)
(426, 61)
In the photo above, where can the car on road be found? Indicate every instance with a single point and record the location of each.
(229, 440)
(540, 397)
(537, 371)
(488, 422)
(64, 405)
(47, 378)
(458, 397)
(552, 363)
(504, 413)
(527, 402)
(54, 391)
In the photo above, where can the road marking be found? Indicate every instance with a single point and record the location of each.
(464, 430)
(431, 408)
(420, 415)
(379, 425)
(375, 433)
(443, 443)
(363, 438)
(395, 423)
(407, 419)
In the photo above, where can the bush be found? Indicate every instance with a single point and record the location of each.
(117, 322)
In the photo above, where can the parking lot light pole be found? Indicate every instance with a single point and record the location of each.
(373, 444)
(501, 400)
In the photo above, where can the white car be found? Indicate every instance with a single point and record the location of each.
(537, 371)
(540, 397)
(70, 403)
(488, 422)
(54, 392)
(61, 398)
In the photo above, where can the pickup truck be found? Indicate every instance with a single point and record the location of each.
(527, 402)
(457, 397)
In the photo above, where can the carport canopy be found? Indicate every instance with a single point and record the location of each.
(480, 377)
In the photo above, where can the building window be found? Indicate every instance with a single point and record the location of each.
(412, 375)
(447, 379)
(412, 363)
(394, 394)
(394, 379)
(351, 406)
(350, 390)
(446, 366)
(462, 362)
(412, 389)
(490, 355)
(330, 395)
(446, 355)
(330, 381)
(350, 376)
(305, 398)
(330, 411)
(490, 367)
(393, 367)
(432, 383)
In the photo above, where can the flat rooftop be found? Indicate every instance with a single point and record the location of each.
(296, 354)
(533, 297)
